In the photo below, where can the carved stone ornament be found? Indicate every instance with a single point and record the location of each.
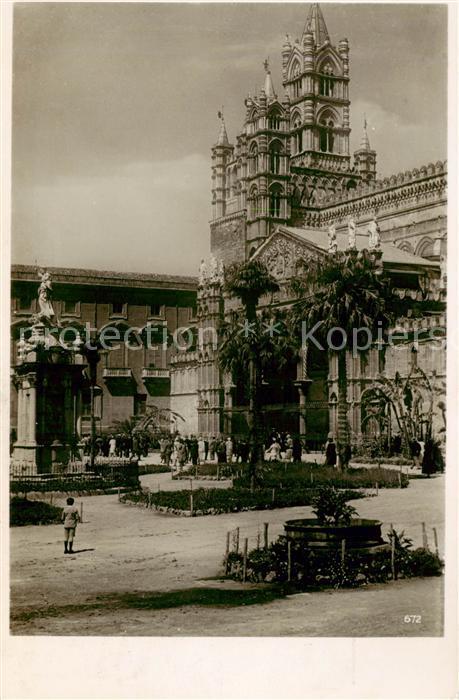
(282, 256)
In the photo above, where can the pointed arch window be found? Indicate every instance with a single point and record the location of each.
(275, 197)
(297, 140)
(275, 150)
(253, 202)
(326, 134)
(326, 82)
(274, 121)
(253, 159)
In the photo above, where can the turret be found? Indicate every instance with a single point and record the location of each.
(365, 158)
(222, 154)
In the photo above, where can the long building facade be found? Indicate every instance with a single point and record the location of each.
(140, 317)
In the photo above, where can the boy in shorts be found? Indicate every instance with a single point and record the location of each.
(71, 517)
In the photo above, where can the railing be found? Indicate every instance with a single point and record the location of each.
(124, 373)
(26, 470)
(155, 373)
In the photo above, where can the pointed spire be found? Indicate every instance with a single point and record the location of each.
(315, 25)
(223, 136)
(268, 86)
(365, 142)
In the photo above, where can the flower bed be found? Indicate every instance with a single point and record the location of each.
(216, 501)
(25, 512)
(307, 475)
(321, 569)
(398, 461)
(209, 472)
(74, 485)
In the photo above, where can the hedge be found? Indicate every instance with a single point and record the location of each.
(25, 512)
(216, 501)
(307, 475)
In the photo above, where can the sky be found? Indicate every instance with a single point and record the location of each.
(115, 112)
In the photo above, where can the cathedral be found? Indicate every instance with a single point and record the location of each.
(285, 189)
(286, 181)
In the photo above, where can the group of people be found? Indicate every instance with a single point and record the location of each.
(117, 445)
(283, 447)
(178, 450)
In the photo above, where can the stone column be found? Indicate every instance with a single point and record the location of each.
(31, 400)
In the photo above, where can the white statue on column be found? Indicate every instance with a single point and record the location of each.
(332, 242)
(213, 269)
(44, 296)
(202, 273)
(351, 234)
(374, 235)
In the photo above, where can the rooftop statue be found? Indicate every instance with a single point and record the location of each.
(46, 311)
(374, 235)
(351, 233)
(332, 242)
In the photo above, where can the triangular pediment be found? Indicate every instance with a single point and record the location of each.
(283, 253)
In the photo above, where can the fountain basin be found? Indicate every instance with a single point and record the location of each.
(361, 534)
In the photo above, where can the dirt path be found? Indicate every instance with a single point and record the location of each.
(127, 548)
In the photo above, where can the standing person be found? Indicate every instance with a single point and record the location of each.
(206, 449)
(345, 454)
(229, 450)
(112, 446)
(167, 451)
(193, 450)
(296, 449)
(244, 451)
(415, 448)
(212, 448)
(274, 451)
(70, 518)
(221, 451)
(201, 450)
(288, 449)
(330, 452)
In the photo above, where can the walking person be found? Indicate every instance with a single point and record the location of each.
(330, 452)
(71, 518)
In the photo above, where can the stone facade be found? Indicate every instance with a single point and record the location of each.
(133, 376)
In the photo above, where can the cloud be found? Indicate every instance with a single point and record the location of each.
(395, 140)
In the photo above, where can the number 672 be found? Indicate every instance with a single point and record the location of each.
(413, 619)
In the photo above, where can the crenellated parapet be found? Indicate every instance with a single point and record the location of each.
(398, 191)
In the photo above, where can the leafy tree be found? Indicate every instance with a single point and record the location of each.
(411, 402)
(340, 294)
(252, 342)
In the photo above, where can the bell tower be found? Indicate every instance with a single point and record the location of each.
(316, 79)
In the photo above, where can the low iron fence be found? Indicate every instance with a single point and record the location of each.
(106, 473)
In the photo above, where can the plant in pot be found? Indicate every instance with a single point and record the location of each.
(335, 521)
(330, 507)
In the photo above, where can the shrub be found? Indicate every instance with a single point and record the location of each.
(25, 512)
(312, 568)
(330, 507)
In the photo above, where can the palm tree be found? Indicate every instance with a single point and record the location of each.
(341, 293)
(248, 347)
